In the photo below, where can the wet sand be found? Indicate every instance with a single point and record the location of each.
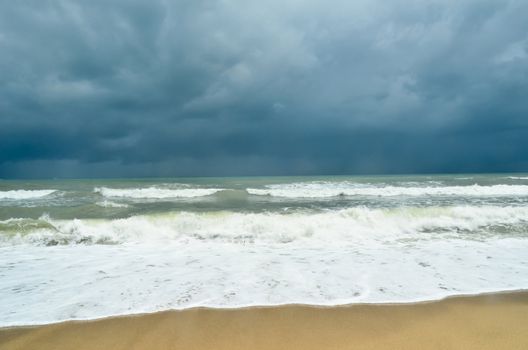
(492, 321)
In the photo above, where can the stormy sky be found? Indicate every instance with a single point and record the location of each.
(211, 88)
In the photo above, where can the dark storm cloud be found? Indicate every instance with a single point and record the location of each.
(130, 88)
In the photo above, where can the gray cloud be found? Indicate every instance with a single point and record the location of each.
(131, 88)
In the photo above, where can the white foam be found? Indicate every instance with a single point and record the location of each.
(145, 263)
(110, 204)
(518, 177)
(51, 284)
(329, 189)
(25, 194)
(56, 269)
(155, 192)
(328, 227)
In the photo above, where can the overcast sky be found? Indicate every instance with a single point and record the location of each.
(159, 88)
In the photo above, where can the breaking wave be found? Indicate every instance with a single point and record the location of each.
(110, 204)
(155, 192)
(344, 226)
(25, 194)
(325, 189)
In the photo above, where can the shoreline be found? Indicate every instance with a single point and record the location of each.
(484, 321)
(257, 306)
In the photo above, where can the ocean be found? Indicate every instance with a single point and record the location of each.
(84, 249)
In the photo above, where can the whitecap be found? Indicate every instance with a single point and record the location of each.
(322, 190)
(327, 227)
(155, 192)
(25, 194)
(110, 204)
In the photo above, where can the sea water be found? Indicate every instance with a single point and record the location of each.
(83, 249)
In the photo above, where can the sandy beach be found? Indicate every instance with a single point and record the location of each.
(491, 321)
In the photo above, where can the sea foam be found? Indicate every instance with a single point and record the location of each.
(110, 204)
(52, 284)
(393, 239)
(155, 192)
(321, 227)
(25, 194)
(325, 189)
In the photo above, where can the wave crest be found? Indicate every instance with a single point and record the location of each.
(25, 194)
(155, 192)
(110, 204)
(344, 226)
(322, 190)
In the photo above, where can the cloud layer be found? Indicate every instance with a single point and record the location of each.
(160, 88)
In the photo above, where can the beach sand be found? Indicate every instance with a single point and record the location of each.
(491, 321)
